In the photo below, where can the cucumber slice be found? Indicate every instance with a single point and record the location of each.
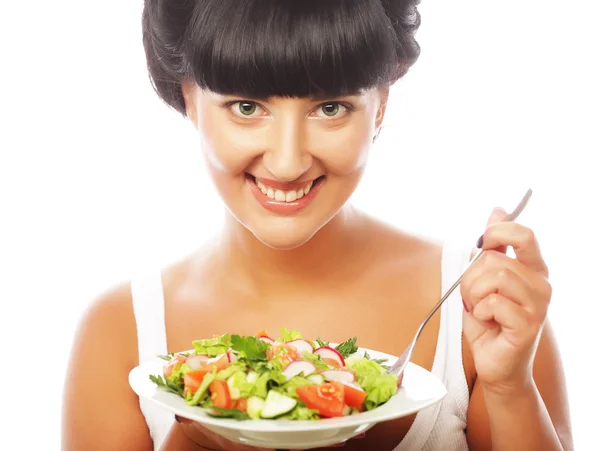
(277, 404)
(255, 407)
(252, 376)
(316, 379)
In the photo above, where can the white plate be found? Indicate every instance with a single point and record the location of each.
(420, 389)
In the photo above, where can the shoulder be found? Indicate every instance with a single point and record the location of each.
(397, 247)
(109, 320)
(104, 351)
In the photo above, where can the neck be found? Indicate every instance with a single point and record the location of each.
(312, 262)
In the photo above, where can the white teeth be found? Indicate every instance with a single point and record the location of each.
(283, 196)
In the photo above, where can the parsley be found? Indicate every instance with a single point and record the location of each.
(167, 357)
(170, 385)
(251, 348)
(348, 347)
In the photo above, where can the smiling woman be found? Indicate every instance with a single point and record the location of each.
(287, 98)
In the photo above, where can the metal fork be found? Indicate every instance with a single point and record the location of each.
(398, 367)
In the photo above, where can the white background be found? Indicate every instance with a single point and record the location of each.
(98, 179)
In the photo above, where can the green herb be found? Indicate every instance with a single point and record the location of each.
(250, 348)
(169, 384)
(347, 348)
(322, 343)
(236, 414)
(167, 357)
(378, 361)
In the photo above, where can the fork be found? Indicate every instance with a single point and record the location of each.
(398, 367)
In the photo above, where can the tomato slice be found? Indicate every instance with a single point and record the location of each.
(242, 404)
(286, 354)
(327, 398)
(354, 396)
(219, 394)
(168, 369)
(192, 381)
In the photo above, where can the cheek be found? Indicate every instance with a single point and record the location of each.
(229, 149)
(345, 151)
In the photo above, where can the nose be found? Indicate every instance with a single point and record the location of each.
(287, 158)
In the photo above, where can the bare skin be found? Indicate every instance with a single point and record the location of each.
(328, 271)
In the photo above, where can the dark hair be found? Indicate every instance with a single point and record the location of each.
(288, 48)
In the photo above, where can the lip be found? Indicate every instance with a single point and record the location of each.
(280, 207)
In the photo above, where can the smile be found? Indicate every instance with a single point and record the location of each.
(284, 197)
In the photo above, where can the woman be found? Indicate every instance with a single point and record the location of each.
(287, 97)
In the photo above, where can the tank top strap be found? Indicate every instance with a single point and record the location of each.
(447, 363)
(149, 310)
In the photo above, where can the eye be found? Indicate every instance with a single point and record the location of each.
(247, 108)
(244, 108)
(331, 110)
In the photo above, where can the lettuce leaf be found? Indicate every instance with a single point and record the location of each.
(289, 335)
(213, 346)
(372, 377)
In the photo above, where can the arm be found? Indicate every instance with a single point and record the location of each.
(543, 421)
(519, 399)
(100, 410)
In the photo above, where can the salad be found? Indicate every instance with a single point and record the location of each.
(291, 378)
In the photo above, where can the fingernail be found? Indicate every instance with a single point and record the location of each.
(465, 306)
(480, 242)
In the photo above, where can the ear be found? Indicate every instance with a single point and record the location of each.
(384, 94)
(190, 92)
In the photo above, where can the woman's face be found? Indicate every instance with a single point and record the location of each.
(285, 166)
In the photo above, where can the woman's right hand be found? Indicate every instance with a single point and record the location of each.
(203, 439)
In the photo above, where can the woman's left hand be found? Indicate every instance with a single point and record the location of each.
(506, 301)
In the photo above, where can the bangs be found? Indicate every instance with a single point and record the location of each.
(290, 48)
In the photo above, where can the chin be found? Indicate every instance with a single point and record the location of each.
(286, 236)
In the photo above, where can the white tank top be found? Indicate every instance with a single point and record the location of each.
(439, 427)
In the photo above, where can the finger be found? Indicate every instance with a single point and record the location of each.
(520, 238)
(498, 215)
(501, 281)
(495, 261)
(504, 312)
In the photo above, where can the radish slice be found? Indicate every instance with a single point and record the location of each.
(327, 352)
(267, 339)
(195, 361)
(301, 345)
(232, 356)
(339, 376)
(298, 367)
